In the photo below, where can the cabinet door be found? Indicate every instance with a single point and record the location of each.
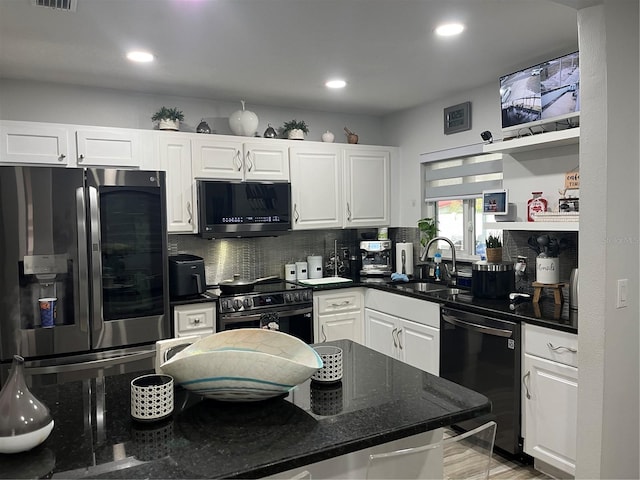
(419, 345)
(266, 162)
(550, 399)
(368, 184)
(175, 159)
(34, 144)
(380, 332)
(316, 187)
(108, 148)
(217, 159)
(340, 325)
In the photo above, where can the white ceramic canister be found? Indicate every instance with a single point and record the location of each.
(547, 269)
(290, 272)
(314, 264)
(301, 271)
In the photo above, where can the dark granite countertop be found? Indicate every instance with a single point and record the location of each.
(544, 313)
(378, 400)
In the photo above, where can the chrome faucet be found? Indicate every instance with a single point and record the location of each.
(453, 273)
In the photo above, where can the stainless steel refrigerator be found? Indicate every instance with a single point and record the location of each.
(96, 241)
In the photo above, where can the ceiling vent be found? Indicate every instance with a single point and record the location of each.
(63, 5)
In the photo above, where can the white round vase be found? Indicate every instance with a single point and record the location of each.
(295, 134)
(328, 137)
(243, 122)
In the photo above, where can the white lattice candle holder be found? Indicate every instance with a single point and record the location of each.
(331, 370)
(151, 397)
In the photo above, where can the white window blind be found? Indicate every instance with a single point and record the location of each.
(462, 177)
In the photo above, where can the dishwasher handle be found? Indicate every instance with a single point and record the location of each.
(498, 332)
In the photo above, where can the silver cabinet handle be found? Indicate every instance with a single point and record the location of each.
(324, 335)
(62, 157)
(238, 159)
(393, 335)
(341, 304)
(561, 347)
(296, 215)
(189, 212)
(526, 387)
(348, 212)
(248, 161)
(399, 342)
(81, 157)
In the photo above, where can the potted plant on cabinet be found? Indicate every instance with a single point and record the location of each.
(494, 248)
(295, 130)
(168, 118)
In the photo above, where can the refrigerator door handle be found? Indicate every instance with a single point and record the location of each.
(80, 287)
(102, 363)
(96, 260)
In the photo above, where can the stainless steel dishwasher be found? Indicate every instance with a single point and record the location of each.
(483, 354)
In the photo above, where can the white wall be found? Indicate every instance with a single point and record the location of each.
(48, 102)
(608, 386)
(420, 130)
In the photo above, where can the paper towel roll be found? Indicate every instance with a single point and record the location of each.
(405, 266)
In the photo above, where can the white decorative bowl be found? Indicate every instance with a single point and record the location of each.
(244, 365)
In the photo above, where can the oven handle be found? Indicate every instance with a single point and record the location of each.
(258, 316)
(498, 332)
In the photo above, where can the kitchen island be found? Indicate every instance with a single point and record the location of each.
(379, 400)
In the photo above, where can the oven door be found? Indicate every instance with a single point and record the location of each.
(297, 322)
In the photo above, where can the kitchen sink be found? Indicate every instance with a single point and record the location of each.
(436, 289)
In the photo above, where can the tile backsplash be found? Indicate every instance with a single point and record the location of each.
(264, 256)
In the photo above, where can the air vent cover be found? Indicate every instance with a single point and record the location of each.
(64, 5)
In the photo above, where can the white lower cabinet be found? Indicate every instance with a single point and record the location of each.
(338, 315)
(550, 397)
(404, 328)
(194, 319)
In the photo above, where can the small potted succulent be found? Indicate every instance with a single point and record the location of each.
(295, 130)
(494, 248)
(168, 118)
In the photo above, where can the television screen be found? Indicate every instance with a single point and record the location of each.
(545, 93)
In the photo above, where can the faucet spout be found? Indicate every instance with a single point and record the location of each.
(453, 273)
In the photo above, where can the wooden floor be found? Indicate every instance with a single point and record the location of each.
(461, 462)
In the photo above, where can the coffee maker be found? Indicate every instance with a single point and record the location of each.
(376, 257)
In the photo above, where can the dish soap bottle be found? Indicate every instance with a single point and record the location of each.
(437, 258)
(536, 204)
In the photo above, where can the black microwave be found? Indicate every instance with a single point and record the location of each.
(243, 209)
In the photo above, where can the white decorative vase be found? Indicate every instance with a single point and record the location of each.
(167, 124)
(328, 137)
(243, 122)
(295, 134)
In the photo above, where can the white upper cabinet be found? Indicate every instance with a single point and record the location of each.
(335, 186)
(175, 159)
(231, 159)
(110, 147)
(367, 186)
(35, 143)
(316, 187)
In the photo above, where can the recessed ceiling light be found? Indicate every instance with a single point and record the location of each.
(336, 84)
(140, 56)
(449, 29)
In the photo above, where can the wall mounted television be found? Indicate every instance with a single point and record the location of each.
(542, 94)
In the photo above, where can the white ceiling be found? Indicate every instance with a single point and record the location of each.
(280, 52)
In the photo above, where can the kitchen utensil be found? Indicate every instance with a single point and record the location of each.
(242, 285)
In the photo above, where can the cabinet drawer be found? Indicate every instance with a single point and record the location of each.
(551, 344)
(194, 319)
(338, 301)
(418, 310)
